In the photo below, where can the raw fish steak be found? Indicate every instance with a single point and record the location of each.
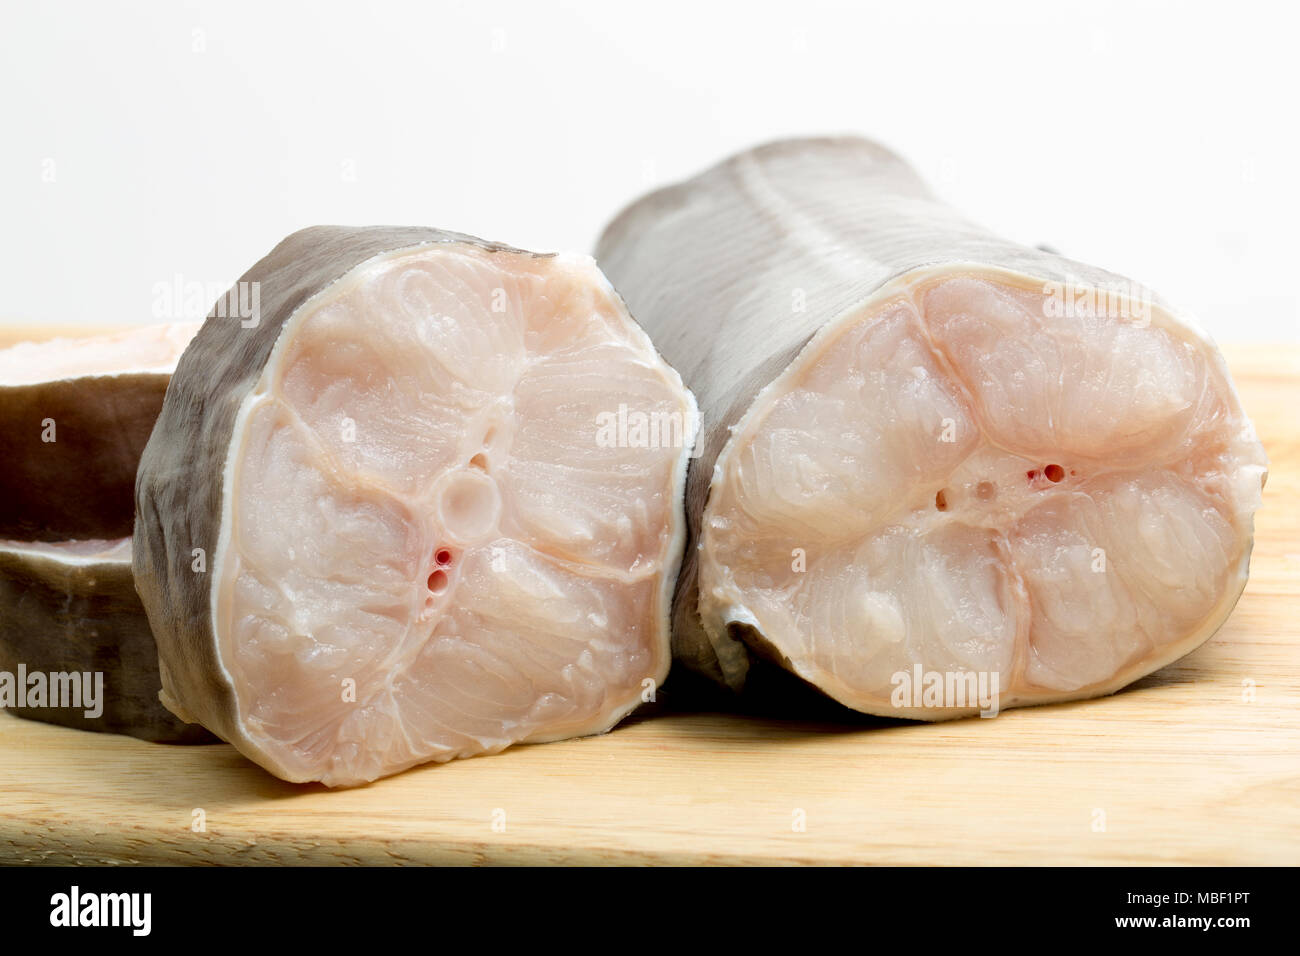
(74, 417)
(428, 506)
(69, 613)
(75, 644)
(930, 453)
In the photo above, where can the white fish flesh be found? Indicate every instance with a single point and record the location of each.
(413, 512)
(928, 450)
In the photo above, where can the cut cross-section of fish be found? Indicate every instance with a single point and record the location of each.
(75, 645)
(74, 417)
(419, 539)
(930, 451)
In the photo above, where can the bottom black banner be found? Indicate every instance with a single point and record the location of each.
(329, 906)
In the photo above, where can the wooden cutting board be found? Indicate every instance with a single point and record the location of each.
(1183, 767)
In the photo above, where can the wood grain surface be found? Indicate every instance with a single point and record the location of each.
(1186, 766)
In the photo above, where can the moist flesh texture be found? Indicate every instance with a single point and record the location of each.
(429, 547)
(957, 479)
(151, 348)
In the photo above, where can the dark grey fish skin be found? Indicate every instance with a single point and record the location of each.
(79, 617)
(81, 485)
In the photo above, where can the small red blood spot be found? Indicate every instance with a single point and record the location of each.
(1031, 475)
(1054, 472)
(941, 501)
(443, 557)
(437, 581)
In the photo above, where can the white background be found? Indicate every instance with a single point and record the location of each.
(146, 141)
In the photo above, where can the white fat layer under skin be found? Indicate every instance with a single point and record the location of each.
(428, 548)
(957, 479)
(152, 349)
(80, 552)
